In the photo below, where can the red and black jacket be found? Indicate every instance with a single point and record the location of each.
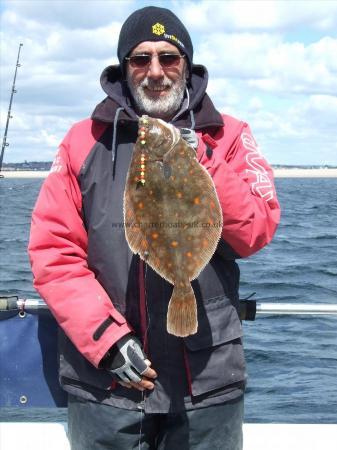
(99, 291)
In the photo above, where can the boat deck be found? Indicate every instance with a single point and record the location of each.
(52, 436)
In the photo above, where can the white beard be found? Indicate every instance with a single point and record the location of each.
(162, 108)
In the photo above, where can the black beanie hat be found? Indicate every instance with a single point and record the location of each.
(153, 24)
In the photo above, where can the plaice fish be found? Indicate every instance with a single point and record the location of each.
(172, 215)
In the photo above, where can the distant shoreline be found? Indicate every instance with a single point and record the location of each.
(305, 173)
(24, 173)
(279, 173)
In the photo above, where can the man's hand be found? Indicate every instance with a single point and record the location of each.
(127, 362)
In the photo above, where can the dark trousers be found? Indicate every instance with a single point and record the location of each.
(93, 426)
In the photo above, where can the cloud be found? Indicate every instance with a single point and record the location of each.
(263, 69)
(257, 16)
(35, 136)
(71, 14)
(237, 55)
(294, 67)
(269, 63)
(60, 67)
(302, 135)
(319, 113)
(58, 43)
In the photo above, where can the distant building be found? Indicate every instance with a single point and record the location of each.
(27, 165)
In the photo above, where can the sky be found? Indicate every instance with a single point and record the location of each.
(272, 64)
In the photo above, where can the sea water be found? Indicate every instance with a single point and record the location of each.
(291, 360)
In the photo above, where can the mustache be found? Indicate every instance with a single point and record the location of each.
(149, 83)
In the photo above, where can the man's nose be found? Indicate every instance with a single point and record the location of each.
(155, 70)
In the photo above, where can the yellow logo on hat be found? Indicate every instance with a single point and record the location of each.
(158, 29)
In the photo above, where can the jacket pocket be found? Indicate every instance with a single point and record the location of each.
(214, 354)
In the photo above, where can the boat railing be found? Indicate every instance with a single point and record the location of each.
(248, 309)
(29, 346)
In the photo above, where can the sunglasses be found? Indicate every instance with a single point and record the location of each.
(165, 60)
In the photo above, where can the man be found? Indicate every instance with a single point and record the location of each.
(131, 384)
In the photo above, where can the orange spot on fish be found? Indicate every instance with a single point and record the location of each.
(212, 204)
(143, 244)
(189, 254)
(205, 243)
(140, 205)
(196, 201)
(174, 244)
(179, 194)
(154, 235)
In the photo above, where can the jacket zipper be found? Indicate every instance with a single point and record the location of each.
(142, 303)
(187, 369)
(143, 318)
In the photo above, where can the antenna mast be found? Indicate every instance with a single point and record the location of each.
(4, 143)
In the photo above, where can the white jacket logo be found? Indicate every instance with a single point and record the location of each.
(57, 164)
(262, 186)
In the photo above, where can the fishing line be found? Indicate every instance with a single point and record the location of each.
(142, 411)
(141, 423)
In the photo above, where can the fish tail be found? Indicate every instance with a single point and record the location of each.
(182, 312)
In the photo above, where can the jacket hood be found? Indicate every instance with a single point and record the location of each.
(198, 110)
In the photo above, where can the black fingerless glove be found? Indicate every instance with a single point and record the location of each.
(190, 136)
(126, 359)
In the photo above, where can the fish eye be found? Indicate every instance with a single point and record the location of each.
(158, 135)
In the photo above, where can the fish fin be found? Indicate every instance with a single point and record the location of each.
(182, 312)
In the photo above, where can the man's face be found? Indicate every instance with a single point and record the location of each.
(157, 89)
